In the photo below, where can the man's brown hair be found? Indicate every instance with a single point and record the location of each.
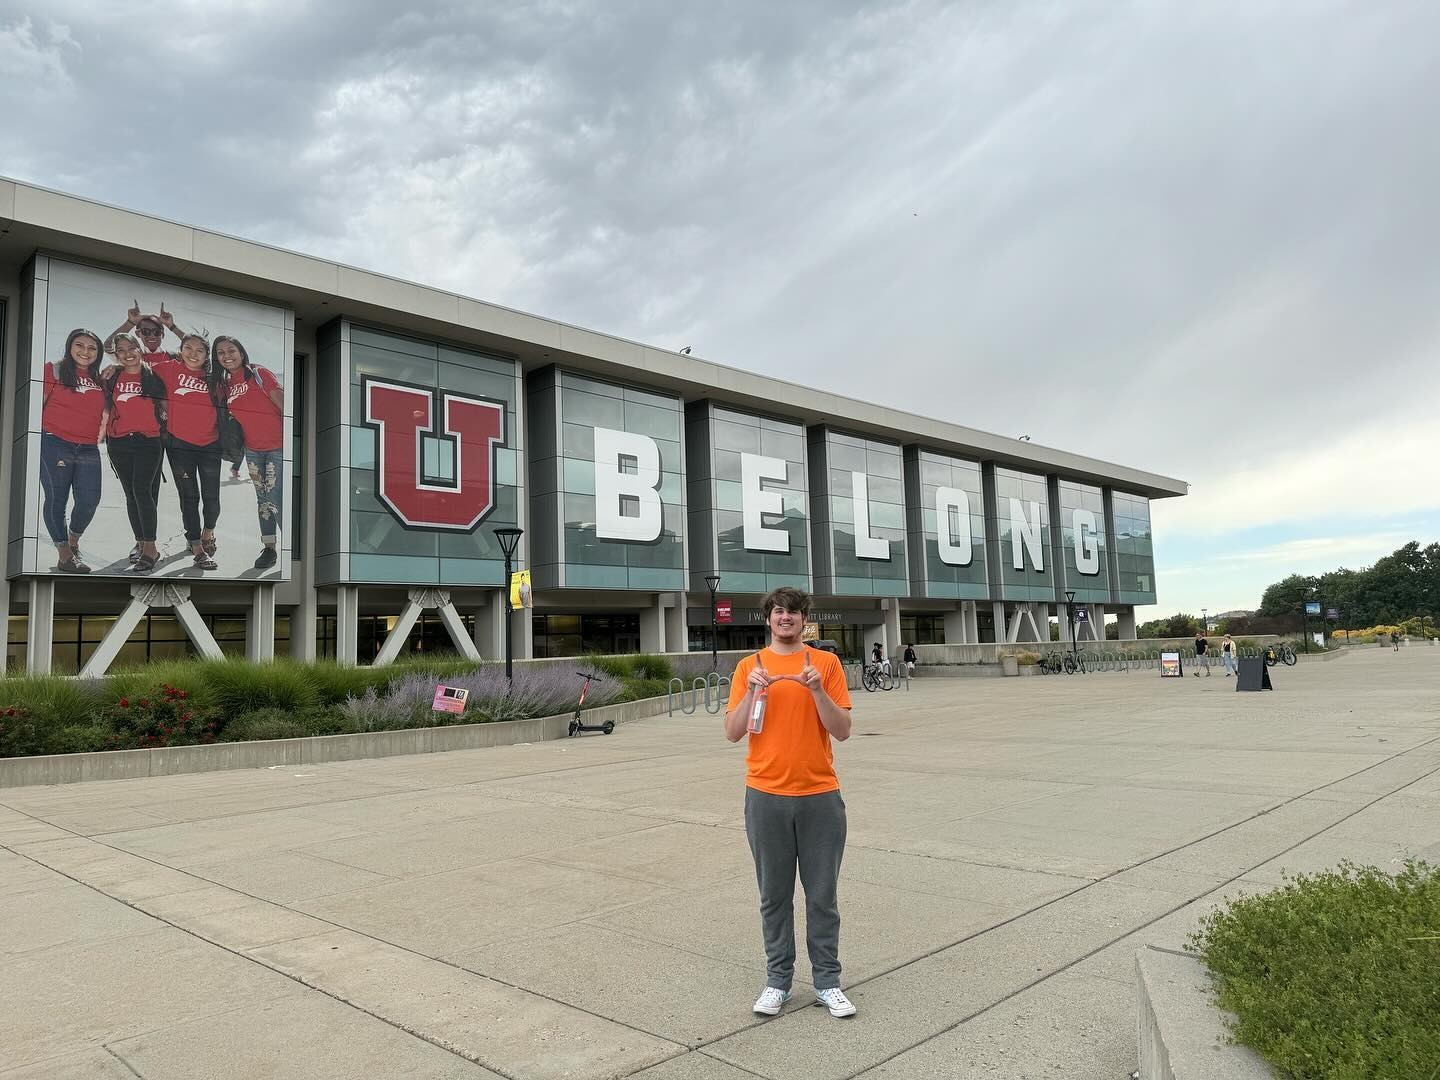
(791, 599)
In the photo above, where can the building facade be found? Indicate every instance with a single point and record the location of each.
(221, 399)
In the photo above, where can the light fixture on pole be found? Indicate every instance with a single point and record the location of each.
(509, 539)
(713, 580)
(1070, 617)
(1204, 620)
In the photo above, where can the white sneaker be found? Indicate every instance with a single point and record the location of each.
(836, 1001)
(770, 1001)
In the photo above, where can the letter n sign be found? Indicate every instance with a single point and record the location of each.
(403, 416)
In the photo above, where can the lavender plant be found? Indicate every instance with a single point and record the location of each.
(544, 691)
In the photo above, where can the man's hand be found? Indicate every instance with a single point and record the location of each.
(134, 313)
(810, 676)
(166, 319)
(759, 678)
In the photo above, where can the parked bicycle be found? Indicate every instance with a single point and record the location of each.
(1280, 654)
(1051, 664)
(874, 677)
(1074, 664)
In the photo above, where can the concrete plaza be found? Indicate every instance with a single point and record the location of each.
(587, 908)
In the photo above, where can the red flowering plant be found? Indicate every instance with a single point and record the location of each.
(17, 732)
(164, 717)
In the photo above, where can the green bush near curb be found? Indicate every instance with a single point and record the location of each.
(188, 702)
(1336, 975)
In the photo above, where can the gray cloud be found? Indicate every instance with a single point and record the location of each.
(1113, 227)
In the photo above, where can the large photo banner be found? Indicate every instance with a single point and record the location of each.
(161, 441)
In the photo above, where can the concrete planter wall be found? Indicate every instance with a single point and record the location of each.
(1009, 665)
(316, 749)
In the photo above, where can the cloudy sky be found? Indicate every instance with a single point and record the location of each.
(1195, 238)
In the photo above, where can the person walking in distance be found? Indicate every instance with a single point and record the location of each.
(791, 701)
(1201, 660)
(1227, 655)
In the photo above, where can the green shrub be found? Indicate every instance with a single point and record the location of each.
(334, 683)
(637, 689)
(239, 687)
(190, 676)
(647, 666)
(266, 723)
(50, 702)
(80, 739)
(165, 715)
(327, 720)
(1334, 975)
(617, 667)
(1028, 659)
(19, 734)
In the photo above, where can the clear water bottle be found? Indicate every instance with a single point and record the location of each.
(757, 711)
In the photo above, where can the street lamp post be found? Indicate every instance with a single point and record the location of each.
(1070, 618)
(713, 580)
(509, 539)
(1205, 621)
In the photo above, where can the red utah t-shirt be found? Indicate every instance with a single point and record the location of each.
(131, 412)
(192, 409)
(72, 415)
(252, 405)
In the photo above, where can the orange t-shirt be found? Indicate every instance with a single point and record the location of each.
(791, 755)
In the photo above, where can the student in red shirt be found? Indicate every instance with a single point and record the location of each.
(257, 400)
(192, 405)
(70, 431)
(150, 329)
(135, 399)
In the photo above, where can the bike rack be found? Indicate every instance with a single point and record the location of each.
(711, 685)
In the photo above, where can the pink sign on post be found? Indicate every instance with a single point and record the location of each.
(449, 699)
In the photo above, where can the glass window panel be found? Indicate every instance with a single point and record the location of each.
(785, 445)
(578, 407)
(570, 380)
(845, 458)
(727, 465)
(730, 436)
(578, 441)
(649, 420)
(579, 476)
(388, 364)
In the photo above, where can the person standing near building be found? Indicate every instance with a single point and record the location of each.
(193, 399)
(72, 419)
(1201, 660)
(1227, 655)
(257, 400)
(910, 659)
(791, 701)
(135, 405)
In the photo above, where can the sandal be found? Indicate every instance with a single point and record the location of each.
(205, 562)
(143, 564)
(72, 565)
(208, 546)
(135, 555)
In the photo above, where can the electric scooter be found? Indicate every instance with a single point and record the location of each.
(576, 727)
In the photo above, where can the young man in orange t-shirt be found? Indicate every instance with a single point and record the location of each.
(791, 700)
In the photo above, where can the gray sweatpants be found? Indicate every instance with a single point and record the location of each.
(807, 831)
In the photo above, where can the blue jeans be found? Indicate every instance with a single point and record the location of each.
(267, 473)
(68, 469)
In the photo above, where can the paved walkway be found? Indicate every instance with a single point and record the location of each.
(587, 908)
